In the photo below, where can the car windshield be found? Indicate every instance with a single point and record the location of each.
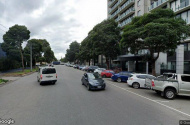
(94, 76)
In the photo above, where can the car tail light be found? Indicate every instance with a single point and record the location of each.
(56, 75)
(41, 76)
(153, 83)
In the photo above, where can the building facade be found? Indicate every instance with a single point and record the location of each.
(122, 11)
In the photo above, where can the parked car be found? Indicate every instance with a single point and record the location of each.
(86, 68)
(93, 81)
(138, 80)
(121, 76)
(75, 66)
(148, 80)
(47, 74)
(179, 84)
(99, 70)
(107, 73)
(80, 67)
(92, 68)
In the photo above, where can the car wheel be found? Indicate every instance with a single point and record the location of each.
(169, 93)
(136, 85)
(88, 87)
(53, 83)
(104, 76)
(82, 83)
(41, 83)
(118, 79)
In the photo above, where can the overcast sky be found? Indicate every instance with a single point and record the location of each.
(58, 21)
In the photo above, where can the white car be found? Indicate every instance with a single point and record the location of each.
(138, 80)
(99, 70)
(47, 74)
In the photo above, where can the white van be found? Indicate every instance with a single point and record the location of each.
(47, 74)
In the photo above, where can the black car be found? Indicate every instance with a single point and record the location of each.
(92, 68)
(93, 81)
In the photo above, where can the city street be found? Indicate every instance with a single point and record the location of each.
(68, 102)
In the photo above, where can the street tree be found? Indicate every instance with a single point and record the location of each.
(158, 31)
(85, 50)
(14, 38)
(105, 38)
(72, 51)
(36, 49)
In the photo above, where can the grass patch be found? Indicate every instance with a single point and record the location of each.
(2, 81)
(19, 73)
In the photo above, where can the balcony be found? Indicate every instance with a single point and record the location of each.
(127, 21)
(111, 3)
(157, 4)
(183, 6)
(126, 13)
(127, 4)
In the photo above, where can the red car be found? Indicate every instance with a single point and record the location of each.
(107, 73)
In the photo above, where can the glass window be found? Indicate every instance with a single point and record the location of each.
(150, 77)
(138, 3)
(188, 46)
(94, 76)
(185, 78)
(185, 47)
(48, 71)
(139, 13)
(141, 76)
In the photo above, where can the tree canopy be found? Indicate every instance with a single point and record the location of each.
(13, 40)
(103, 39)
(71, 53)
(158, 31)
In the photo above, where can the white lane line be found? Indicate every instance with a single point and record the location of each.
(155, 101)
(161, 101)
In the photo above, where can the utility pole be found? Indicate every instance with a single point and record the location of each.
(30, 57)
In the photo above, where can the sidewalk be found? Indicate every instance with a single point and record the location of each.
(9, 78)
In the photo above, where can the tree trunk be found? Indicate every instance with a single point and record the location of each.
(153, 68)
(22, 59)
(89, 62)
(107, 63)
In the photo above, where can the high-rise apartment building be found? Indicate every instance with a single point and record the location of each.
(122, 11)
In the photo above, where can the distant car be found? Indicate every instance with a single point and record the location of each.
(138, 80)
(56, 63)
(107, 73)
(93, 81)
(85, 68)
(99, 70)
(75, 66)
(47, 74)
(80, 67)
(121, 76)
(92, 68)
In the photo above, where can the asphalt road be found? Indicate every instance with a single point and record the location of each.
(69, 103)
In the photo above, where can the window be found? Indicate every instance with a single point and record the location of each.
(139, 13)
(185, 78)
(48, 71)
(138, 3)
(150, 77)
(141, 76)
(185, 47)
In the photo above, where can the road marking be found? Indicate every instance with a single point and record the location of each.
(161, 101)
(156, 101)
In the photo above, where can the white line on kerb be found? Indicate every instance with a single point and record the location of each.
(156, 101)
